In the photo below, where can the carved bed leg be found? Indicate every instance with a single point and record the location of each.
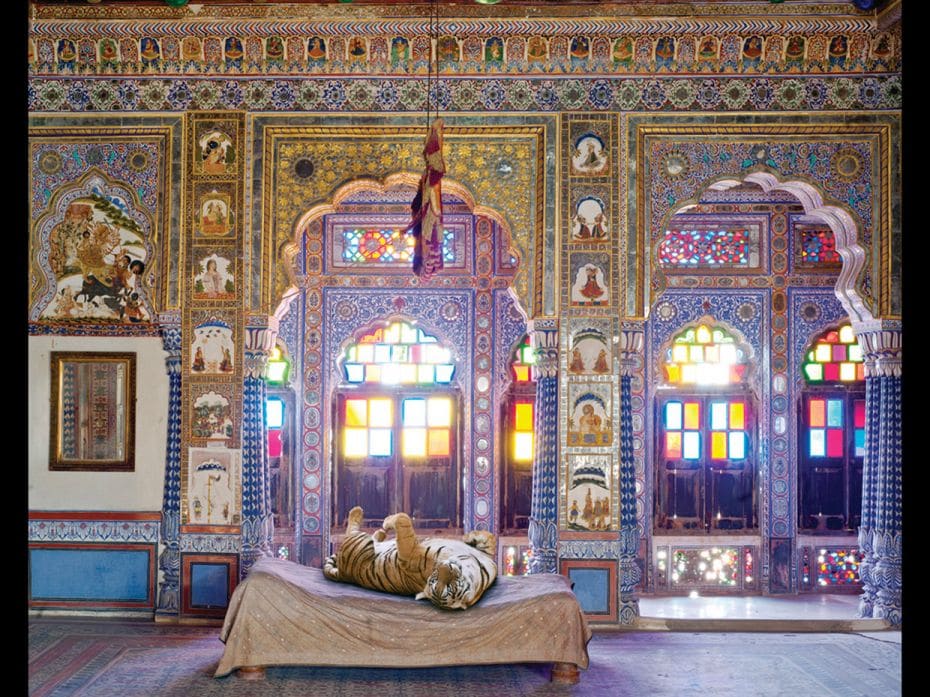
(565, 673)
(252, 672)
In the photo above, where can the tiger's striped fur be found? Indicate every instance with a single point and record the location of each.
(452, 574)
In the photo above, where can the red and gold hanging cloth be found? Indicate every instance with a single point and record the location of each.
(427, 207)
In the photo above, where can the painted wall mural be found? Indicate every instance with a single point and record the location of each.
(213, 348)
(213, 486)
(214, 277)
(590, 352)
(590, 499)
(590, 415)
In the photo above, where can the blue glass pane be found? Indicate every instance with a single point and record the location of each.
(274, 413)
(835, 413)
(692, 445)
(355, 372)
(673, 416)
(860, 442)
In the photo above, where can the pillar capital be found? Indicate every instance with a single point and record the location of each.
(881, 342)
(544, 335)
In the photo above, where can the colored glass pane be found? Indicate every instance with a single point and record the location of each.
(382, 353)
(399, 353)
(439, 411)
(444, 373)
(728, 354)
(855, 353)
(521, 373)
(406, 373)
(414, 412)
(814, 372)
(718, 445)
(718, 416)
(847, 336)
(673, 412)
(672, 373)
(366, 353)
(703, 335)
(372, 373)
(848, 372)
(713, 248)
(523, 447)
(355, 442)
(380, 413)
(859, 436)
(823, 353)
(834, 442)
(831, 372)
(523, 416)
(390, 373)
(673, 445)
(692, 415)
(380, 442)
(274, 442)
(387, 245)
(426, 374)
(712, 353)
(835, 413)
(356, 412)
(818, 246)
(689, 374)
(817, 416)
(355, 372)
(860, 371)
(737, 415)
(818, 442)
(691, 445)
(737, 443)
(859, 413)
(438, 442)
(414, 442)
(274, 413)
(839, 352)
(696, 354)
(680, 354)
(408, 334)
(392, 333)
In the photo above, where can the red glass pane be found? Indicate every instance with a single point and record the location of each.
(831, 337)
(834, 442)
(831, 372)
(274, 442)
(859, 413)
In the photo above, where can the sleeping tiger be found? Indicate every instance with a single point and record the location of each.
(452, 574)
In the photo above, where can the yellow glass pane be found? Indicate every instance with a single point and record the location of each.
(439, 411)
(407, 373)
(373, 373)
(689, 374)
(846, 334)
(673, 373)
(366, 353)
(818, 411)
(718, 445)
(438, 445)
(847, 372)
(673, 445)
(414, 442)
(692, 416)
(356, 412)
(380, 413)
(522, 373)
(737, 416)
(823, 353)
(355, 442)
(703, 335)
(523, 447)
(523, 416)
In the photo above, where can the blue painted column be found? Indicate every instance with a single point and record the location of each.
(257, 521)
(169, 563)
(544, 506)
(880, 531)
(631, 359)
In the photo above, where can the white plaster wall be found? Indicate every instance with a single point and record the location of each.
(140, 490)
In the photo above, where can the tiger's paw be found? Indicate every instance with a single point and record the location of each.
(355, 518)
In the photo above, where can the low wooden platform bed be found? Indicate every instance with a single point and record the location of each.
(286, 614)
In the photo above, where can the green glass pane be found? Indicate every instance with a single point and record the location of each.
(835, 413)
(814, 372)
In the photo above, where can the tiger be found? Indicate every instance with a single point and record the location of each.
(452, 574)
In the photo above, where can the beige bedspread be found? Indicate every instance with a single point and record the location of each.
(286, 614)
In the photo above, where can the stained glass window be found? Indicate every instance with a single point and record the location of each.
(816, 246)
(708, 248)
(398, 354)
(706, 465)
(835, 357)
(832, 443)
(519, 446)
(387, 245)
(704, 355)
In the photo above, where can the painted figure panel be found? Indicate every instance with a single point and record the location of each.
(590, 220)
(212, 418)
(215, 216)
(589, 353)
(590, 285)
(589, 420)
(589, 155)
(214, 278)
(217, 152)
(213, 484)
(589, 492)
(212, 349)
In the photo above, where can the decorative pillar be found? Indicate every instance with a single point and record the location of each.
(632, 340)
(880, 530)
(544, 508)
(169, 563)
(257, 521)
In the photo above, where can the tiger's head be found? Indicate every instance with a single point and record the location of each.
(447, 587)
